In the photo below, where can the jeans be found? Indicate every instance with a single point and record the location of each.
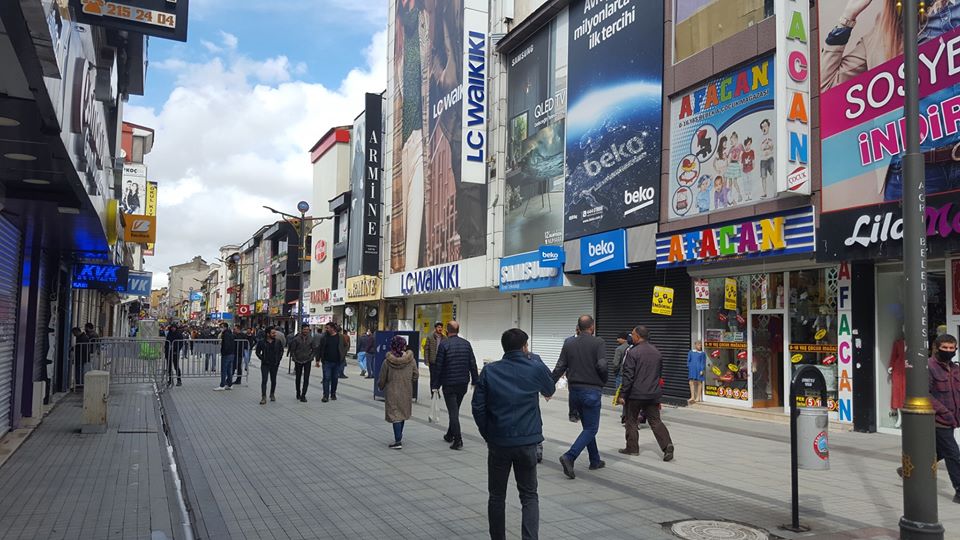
(523, 461)
(331, 372)
(586, 403)
(453, 397)
(226, 370)
(302, 370)
(342, 368)
(398, 431)
(938, 177)
(268, 370)
(948, 451)
(362, 360)
(651, 410)
(246, 359)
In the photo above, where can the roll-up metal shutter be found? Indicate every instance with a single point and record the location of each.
(624, 300)
(9, 299)
(485, 322)
(42, 338)
(555, 319)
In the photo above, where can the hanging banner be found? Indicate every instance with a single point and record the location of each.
(701, 290)
(151, 210)
(662, 301)
(844, 345)
(730, 293)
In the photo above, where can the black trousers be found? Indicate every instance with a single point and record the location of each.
(652, 411)
(302, 370)
(268, 370)
(453, 397)
(523, 461)
(173, 364)
(948, 451)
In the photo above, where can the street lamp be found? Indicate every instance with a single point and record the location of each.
(919, 460)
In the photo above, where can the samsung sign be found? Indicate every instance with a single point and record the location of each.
(605, 252)
(525, 271)
(428, 280)
(100, 276)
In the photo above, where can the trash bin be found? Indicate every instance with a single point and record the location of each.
(813, 451)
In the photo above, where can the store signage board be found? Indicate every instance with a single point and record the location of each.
(363, 289)
(159, 18)
(338, 297)
(552, 257)
(427, 280)
(844, 344)
(793, 97)
(786, 233)
(526, 271)
(139, 283)
(701, 289)
(372, 190)
(196, 296)
(662, 301)
(100, 276)
(244, 310)
(139, 229)
(605, 252)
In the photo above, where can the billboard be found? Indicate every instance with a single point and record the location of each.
(438, 93)
(151, 210)
(372, 184)
(723, 142)
(861, 102)
(536, 108)
(613, 117)
(134, 192)
(355, 232)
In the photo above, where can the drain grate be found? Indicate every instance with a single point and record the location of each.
(702, 529)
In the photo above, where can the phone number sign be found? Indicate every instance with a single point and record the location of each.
(160, 18)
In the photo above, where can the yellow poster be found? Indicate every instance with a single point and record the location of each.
(151, 209)
(662, 301)
(730, 293)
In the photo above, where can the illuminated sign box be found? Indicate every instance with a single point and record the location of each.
(160, 18)
(100, 276)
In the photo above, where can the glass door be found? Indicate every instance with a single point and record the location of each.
(766, 336)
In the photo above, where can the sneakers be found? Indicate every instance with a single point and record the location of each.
(229, 387)
(626, 452)
(457, 445)
(263, 400)
(668, 453)
(396, 446)
(363, 373)
(219, 388)
(567, 465)
(325, 399)
(601, 464)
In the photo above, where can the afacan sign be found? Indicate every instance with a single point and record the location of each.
(776, 234)
(428, 280)
(793, 96)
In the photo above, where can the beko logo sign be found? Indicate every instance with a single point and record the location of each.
(603, 252)
(638, 200)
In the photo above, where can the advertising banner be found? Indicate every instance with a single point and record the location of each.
(526, 271)
(134, 192)
(372, 134)
(438, 93)
(793, 96)
(536, 107)
(662, 301)
(614, 114)
(723, 142)
(861, 102)
(152, 189)
(355, 218)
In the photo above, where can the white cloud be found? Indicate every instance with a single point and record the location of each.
(234, 135)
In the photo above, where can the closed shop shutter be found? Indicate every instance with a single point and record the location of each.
(624, 300)
(555, 319)
(42, 338)
(9, 298)
(486, 321)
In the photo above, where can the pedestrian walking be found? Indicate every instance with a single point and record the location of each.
(945, 391)
(696, 366)
(342, 368)
(247, 342)
(172, 349)
(506, 409)
(331, 351)
(582, 361)
(572, 412)
(270, 352)
(81, 355)
(623, 343)
(641, 393)
(430, 347)
(302, 352)
(228, 355)
(456, 367)
(366, 350)
(398, 375)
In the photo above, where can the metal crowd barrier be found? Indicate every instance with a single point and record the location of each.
(200, 358)
(128, 360)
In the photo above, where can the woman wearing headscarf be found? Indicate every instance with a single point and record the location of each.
(398, 374)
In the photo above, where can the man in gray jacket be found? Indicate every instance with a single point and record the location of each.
(302, 352)
(641, 392)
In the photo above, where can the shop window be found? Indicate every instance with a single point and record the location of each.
(426, 315)
(725, 339)
(813, 327)
(700, 24)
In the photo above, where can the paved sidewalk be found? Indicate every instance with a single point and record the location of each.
(63, 484)
(323, 470)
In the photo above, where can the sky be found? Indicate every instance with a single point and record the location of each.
(237, 108)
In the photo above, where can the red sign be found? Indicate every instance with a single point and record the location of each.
(320, 251)
(244, 310)
(321, 296)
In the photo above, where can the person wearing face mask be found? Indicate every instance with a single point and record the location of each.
(945, 391)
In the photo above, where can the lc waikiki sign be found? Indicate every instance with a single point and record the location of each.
(473, 163)
(428, 280)
(778, 234)
(793, 96)
(844, 345)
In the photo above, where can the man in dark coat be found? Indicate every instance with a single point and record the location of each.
(641, 392)
(331, 350)
(228, 355)
(431, 346)
(172, 348)
(945, 391)
(302, 352)
(456, 367)
(270, 352)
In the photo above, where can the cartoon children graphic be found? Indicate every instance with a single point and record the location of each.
(720, 160)
(704, 145)
(766, 157)
(703, 197)
(720, 191)
(747, 160)
(734, 168)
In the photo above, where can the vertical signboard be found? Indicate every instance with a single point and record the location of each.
(151, 211)
(438, 93)
(357, 179)
(613, 139)
(793, 96)
(134, 190)
(723, 142)
(536, 108)
(844, 345)
(372, 188)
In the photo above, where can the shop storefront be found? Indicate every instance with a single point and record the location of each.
(363, 308)
(763, 307)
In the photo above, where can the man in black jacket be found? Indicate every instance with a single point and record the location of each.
(456, 367)
(302, 352)
(228, 354)
(172, 347)
(331, 351)
(582, 361)
(641, 392)
(270, 352)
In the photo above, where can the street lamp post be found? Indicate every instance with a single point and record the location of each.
(919, 459)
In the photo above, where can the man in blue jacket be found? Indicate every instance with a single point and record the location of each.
(456, 368)
(506, 409)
